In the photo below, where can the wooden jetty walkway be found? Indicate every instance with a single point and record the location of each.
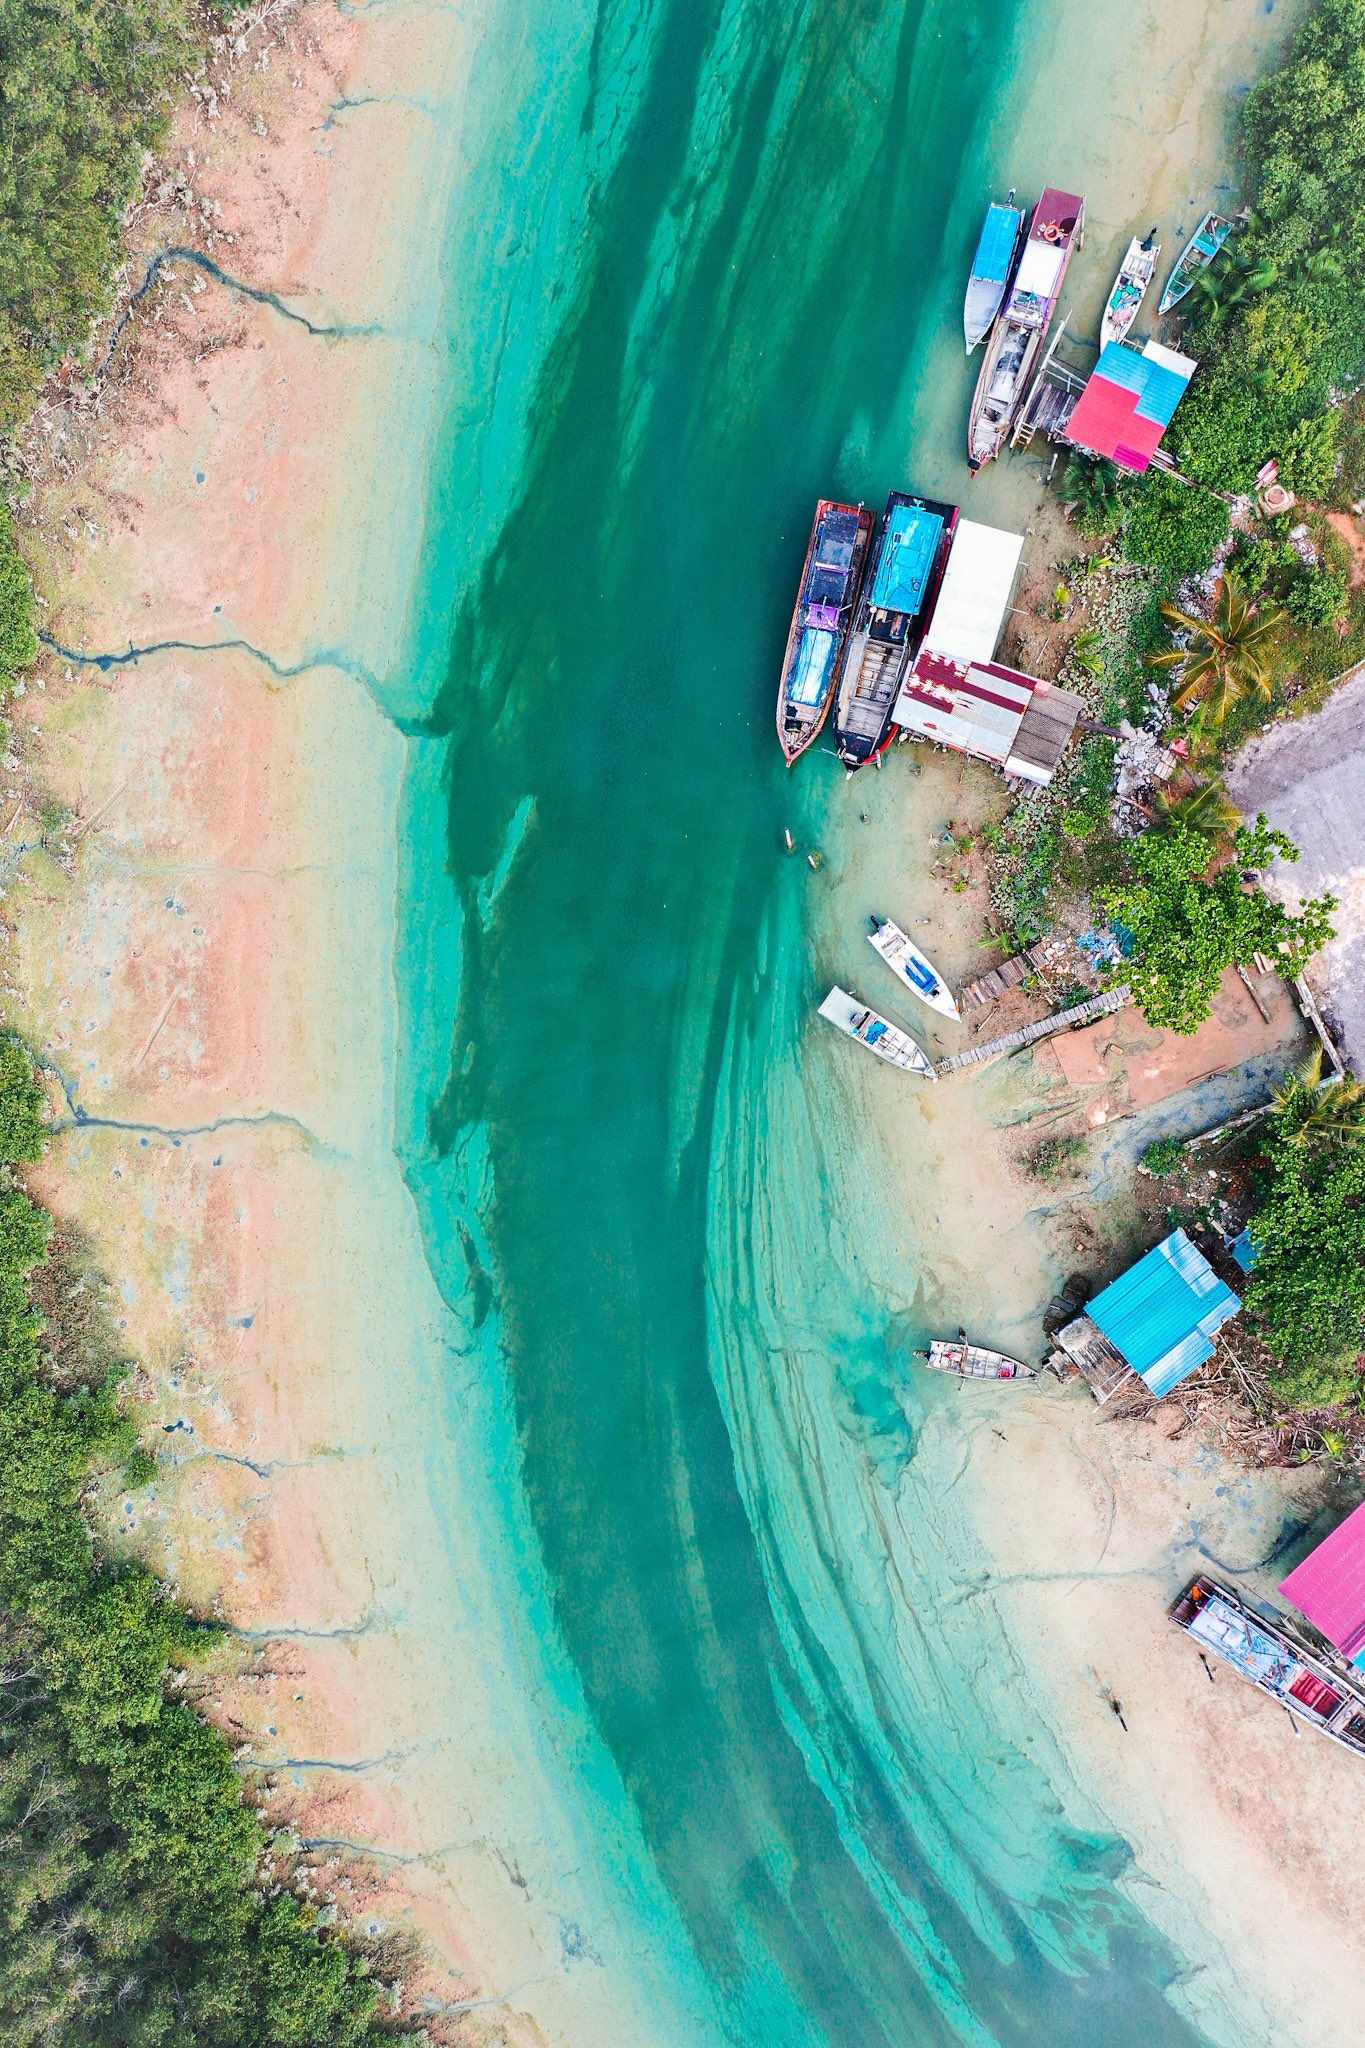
(1028, 1034)
(1007, 975)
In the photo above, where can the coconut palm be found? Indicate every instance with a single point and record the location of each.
(1312, 1113)
(1226, 656)
(1090, 492)
(1206, 808)
(1233, 278)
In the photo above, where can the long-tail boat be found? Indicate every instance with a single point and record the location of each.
(830, 581)
(1130, 288)
(992, 268)
(975, 1362)
(876, 1032)
(901, 588)
(1197, 254)
(1016, 342)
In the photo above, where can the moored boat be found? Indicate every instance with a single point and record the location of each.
(975, 1362)
(901, 588)
(1130, 288)
(912, 967)
(1017, 339)
(830, 578)
(1197, 254)
(887, 1040)
(992, 267)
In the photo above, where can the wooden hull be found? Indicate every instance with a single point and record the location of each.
(1204, 244)
(975, 1362)
(1020, 334)
(1130, 288)
(886, 638)
(815, 642)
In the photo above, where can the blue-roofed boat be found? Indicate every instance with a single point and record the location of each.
(830, 581)
(904, 573)
(1197, 254)
(1019, 335)
(992, 268)
(915, 969)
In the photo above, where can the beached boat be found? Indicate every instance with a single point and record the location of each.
(1197, 254)
(901, 588)
(1130, 288)
(1017, 339)
(912, 967)
(975, 1362)
(830, 579)
(992, 268)
(887, 1040)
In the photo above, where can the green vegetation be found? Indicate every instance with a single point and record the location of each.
(1163, 1157)
(1224, 657)
(1205, 808)
(1315, 1115)
(1307, 1286)
(1188, 927)
(132, 1911)
(1169, 527)
(1057, 1159)
(18, 641)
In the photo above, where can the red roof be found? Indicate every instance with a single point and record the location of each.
(1107, 421)
(1329, 1586)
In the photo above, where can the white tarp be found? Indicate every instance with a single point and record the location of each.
(975, 593)
(1038, 270)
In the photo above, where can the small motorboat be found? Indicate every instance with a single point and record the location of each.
(877, 1033)
(992, 268)
(1197, 254)
(912, 967)
(975, 1362)
(1130, 288)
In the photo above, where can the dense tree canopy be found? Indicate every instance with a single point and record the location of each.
(1307, 1285)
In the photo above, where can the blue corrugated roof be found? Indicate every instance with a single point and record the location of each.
(998, 235)
(907, 556)
(1164, 1312)
(1158, 388)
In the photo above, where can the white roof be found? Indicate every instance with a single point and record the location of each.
(1038, 271)
(975, 593)
(1170, 359)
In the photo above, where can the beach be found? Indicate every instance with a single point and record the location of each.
(524, 1289)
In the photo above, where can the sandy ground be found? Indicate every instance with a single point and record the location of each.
(1308, 776)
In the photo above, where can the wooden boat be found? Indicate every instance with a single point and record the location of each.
(1130, 288)
(876, 1033)
(1197, 254)
(904, 573)
(992, 268)
(1017, 339)
(830, 581)
(975, 1362)
(912, 967)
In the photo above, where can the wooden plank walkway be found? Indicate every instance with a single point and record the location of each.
(1007, 975)
(1028, 1034)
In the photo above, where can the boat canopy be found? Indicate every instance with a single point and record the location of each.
(1040, 269)
(975, 593)
(999, 233)
(811, 670)
(907, 558)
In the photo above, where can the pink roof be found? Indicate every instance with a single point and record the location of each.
(1106, 420)
(1329, 1586)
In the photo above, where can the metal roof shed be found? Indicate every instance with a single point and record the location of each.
(975, 593)
(1163, 1314)
(1329, 1587)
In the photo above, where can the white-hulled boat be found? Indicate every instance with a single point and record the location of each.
(887, 1040)
(975, 1362)
(1020, 332)
(1204, 244)
(1130, 288)
(912, 967)
(992, 268)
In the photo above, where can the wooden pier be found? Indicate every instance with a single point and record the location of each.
(987, 987)
(1029, 1034)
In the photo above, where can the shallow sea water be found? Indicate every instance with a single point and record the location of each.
(705, 268)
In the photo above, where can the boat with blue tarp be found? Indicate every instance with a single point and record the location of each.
(830, 580)
(992, 268)
(1016, 343)
(904, 574)
(876, 1032)
(915, 969)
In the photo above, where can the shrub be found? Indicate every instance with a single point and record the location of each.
(1171, 527)
(1307, 1284)
(1057, 1159)
(18, 641)
(1163, 1157)
(1319, 597)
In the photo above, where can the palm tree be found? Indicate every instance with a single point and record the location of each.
(1233, 278)
(1085, 652)
(1090, 492)
(1227, 656)
(1310, 1112)
(1206, 808)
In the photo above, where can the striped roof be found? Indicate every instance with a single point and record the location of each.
(1164, 1313)
(983, 708)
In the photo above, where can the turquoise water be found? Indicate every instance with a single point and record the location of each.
(697, 280)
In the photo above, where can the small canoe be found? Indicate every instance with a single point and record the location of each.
(1130, 288)
(1197, 254)
(876, 1033)
(912, 967)
(992, 268)
(975, 1362)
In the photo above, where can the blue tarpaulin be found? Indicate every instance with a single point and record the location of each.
(998, 235)
(1164, 1312)
(814, 660)
(907, 557)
